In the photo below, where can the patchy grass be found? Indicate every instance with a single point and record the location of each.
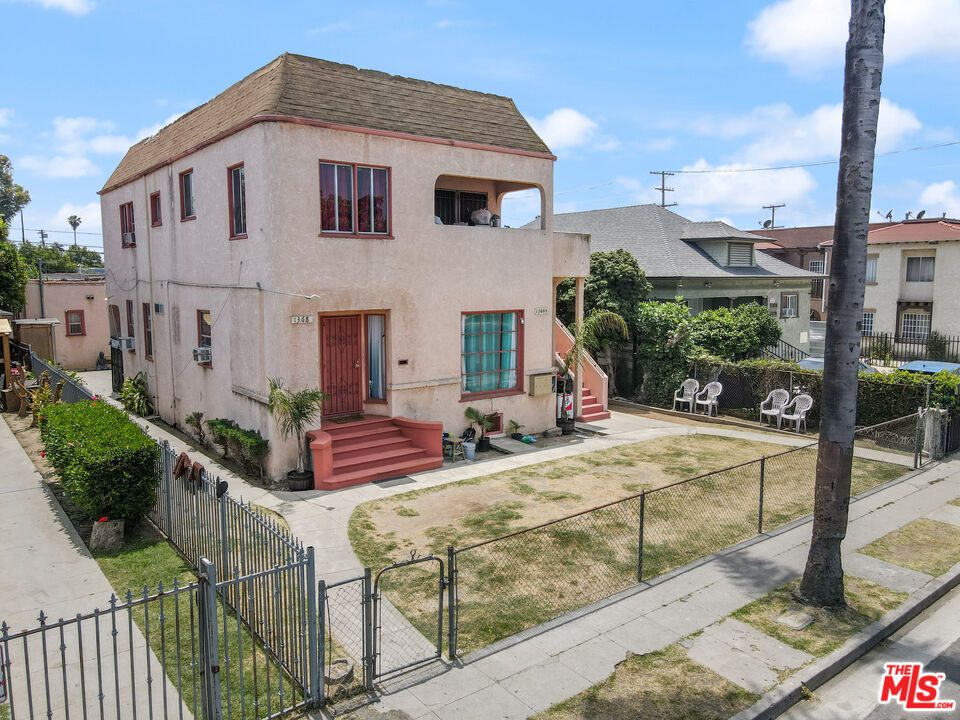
(923, 545)
(519, 582)
(955, 501)
(663, 684)
(866, 602)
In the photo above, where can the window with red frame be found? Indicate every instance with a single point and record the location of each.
(156, 214)
(188, 210)
(238, 202)
(128, 237)
(490, 352)
(75, 324)
(147, 332)
(354, 199)
(204, 329)
(130, 317)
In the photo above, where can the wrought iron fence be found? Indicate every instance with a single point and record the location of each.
(886, 349)
(783, 350)
(510, 583)
(73, 391)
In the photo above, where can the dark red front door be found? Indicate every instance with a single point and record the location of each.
(341, 374)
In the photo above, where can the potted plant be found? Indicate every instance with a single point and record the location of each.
(292, 411)
(588, 336)
(483, 423)
(514, 428)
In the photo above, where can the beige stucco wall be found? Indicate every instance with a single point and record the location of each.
(74, 352)
(423, 277)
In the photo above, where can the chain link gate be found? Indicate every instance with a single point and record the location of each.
(402, 642)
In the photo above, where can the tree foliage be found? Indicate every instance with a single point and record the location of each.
(737, 334)
(616, 283)
(13, 274)
(12, 196)
(58, 259)
(663, 347)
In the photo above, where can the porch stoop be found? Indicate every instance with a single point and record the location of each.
(373, 449)
(591, 409)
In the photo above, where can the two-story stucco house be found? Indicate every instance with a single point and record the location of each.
(314, 222)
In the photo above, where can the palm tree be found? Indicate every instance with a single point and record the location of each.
(74, 221)
(589, 336)
(822, 583)
(292, 411)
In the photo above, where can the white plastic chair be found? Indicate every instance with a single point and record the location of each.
(800, 405)
(770, 408)
(708, 397)
(687, 394)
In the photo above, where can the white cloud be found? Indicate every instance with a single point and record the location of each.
(565, 128)
(519, 208)
(58, 166)
(153, 129)
(737, 192)
(74, 7)
(6, 116)
(659, 144)
(807, 35)
(942, 197)
(89, 215)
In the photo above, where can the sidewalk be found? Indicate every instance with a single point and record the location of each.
(44, 565)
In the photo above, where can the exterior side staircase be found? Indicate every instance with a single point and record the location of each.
(595, 382)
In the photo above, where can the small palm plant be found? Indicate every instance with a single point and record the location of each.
(292, 411)
(480, 420)
(589, 336)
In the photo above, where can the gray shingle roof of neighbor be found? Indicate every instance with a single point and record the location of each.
(663, 242)
(297, 86)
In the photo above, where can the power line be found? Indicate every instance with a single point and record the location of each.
(65, 232)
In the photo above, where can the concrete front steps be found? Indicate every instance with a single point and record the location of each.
(373, 449)
(591, 409)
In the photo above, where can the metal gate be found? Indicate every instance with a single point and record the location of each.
(403, 643)
(116, 368)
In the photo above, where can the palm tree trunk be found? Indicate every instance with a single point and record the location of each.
(822, 583)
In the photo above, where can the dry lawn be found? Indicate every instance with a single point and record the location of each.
(955, 501)
(923, 545)
(866, 602)
(663, 684)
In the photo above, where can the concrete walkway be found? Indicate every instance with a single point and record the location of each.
(45, 566)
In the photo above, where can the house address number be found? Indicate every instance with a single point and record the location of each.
(301, 319)
(541, 310)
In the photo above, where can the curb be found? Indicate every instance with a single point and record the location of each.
(784, 696)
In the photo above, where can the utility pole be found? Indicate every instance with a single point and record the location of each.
(43, 236)
(773, 215)
(23, 237)
(40, 278)
(663, 187)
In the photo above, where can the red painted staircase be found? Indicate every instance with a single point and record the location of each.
(591, 409)
(373, 449)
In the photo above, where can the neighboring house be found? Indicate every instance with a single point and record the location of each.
(66, 319)
(709, 264)
(801, 247)
(310, 223)
(912, 275)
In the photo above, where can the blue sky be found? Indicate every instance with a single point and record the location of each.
(616, 90)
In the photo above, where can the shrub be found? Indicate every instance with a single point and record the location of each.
(737, 334)
(108, 465)
(135, 395)
(247, 446)
(195, 421)
(663, 349)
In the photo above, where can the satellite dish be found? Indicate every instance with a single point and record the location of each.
(766, 224)
(921, 214)
(889, 215)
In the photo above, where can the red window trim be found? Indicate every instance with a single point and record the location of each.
(199, 335)
(185, 218)
(366, 363)
(131, 324)
(83, 324)
(356, 233)
(127, 224)
(233, 234)
(519, 390)
(156, 220)
(147, 328)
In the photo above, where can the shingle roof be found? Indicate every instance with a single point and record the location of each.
(654, 236)
(803, 237)
(297, 86)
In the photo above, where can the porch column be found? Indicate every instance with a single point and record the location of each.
(578, 380)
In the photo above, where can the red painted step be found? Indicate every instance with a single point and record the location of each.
(384, 472)
(376, 459)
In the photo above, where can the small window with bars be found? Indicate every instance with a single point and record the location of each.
(866, 327)
(817, 266)
(915, 325)
(455, 206)
(740, 254)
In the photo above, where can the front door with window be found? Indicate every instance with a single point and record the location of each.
(341, 374)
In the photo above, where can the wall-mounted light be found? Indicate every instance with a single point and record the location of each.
(708, 284)
(89, 297)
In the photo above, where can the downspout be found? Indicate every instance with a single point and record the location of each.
(146, 205)
(173, 229)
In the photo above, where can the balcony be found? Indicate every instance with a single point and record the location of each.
(466, 201)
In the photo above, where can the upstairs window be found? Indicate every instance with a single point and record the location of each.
(740, 254)
(147, 332)
(920, 269)
(75, 325)
(156, 216)
(188, 210)
(871, 274)
(454, 207)
(238, 202)
(128, 237)
(817, 266)
(789, 305)
(354, 199)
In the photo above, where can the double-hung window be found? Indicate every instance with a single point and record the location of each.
(866, 328)
(128, 237)
(204, 332)
(354, 199)
(238, 202)
(490, 352)
(147, 332)
(915, 325)
(920, 269)
(130, 316)
(789, 305)
(188, 210)
(75, 325)
(871, 274)
(156, 213)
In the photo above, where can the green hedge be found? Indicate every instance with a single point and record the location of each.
(880, 397)
(108, 465)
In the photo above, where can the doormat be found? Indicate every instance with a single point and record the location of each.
(347, 419)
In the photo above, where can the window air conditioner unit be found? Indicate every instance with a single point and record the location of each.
(129, 343)
(203, 354)
(129, 238)
(115, 343)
